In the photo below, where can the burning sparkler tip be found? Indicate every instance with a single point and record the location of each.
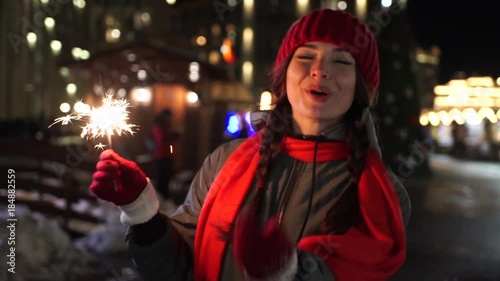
(100, 146)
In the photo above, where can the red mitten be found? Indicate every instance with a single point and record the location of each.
(123, 183)
(117, 180)
(264, 253)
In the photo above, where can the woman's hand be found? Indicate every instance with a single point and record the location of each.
(117, 180)
(264, 253)
(123, 183)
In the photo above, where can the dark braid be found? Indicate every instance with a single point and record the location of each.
(274, 128)
(345, 211)
(272, 134)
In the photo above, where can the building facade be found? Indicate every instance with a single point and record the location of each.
(42, 35)
(427, 74)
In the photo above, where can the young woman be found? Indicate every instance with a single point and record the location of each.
(306, 198)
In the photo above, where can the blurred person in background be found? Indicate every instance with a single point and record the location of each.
(305, 198)
(163, 137)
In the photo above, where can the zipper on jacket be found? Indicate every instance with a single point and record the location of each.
(313, 187)
(289, 189)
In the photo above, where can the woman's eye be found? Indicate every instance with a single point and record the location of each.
(343, 62)
(306, 57)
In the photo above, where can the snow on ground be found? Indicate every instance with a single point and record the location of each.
(43, 251)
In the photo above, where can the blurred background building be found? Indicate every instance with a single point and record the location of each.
(157, 55)
(464, 118)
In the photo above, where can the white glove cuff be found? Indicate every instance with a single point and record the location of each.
(142, 209)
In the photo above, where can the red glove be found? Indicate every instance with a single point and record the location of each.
(117, 180)
(264, 253)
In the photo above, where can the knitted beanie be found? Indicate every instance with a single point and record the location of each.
(339, 28)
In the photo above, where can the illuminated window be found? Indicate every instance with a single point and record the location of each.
(141, 20)
(201, 40)
(265, 101)
(81, 107)
(216, 30)
(302, 7)
(342, 5)
(192, 97)
(247, 40)
(71, 89)
(194, 72)
(80, 4)
(142, 74)
(31, 38)
(49, 24)
(247, 72)
(113, 35)
(386, 3)
(214, 57)
(109, 20)
(56, 47)
(361, 7)
(141, 96)
(248, 6)
(121, 93)
(84, 54)
(65, 107)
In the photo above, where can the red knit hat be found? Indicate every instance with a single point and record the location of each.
(339, 28)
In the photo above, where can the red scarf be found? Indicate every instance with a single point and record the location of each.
(372, 251)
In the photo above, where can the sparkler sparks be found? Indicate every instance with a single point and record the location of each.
(109, 119)
(100, 146)
(65, 120)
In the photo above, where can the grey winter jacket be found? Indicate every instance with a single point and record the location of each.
(171, 256)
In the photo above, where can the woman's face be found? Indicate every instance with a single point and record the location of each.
(320, 83)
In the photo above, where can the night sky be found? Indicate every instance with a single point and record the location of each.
(468, 33)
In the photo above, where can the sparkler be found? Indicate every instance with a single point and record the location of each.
(109, 119)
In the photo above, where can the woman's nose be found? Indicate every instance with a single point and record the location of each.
(319, 71)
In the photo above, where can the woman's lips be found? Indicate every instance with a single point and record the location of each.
(320, 98)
